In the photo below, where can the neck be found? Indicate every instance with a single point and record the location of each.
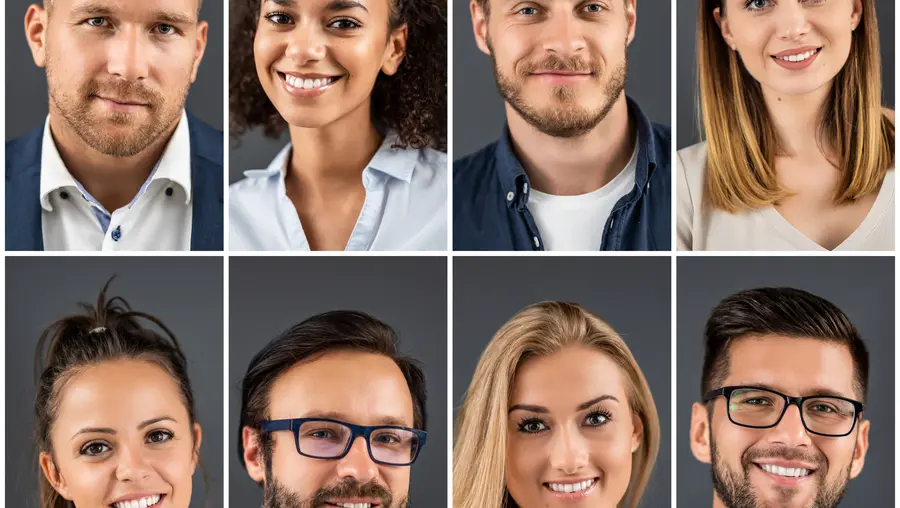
(333, 156)
(572, 166)
(113, 181)
(796, 120)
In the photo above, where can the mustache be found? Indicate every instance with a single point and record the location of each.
(350, 488)
(785, 453)
(124, 91)
(556, 63)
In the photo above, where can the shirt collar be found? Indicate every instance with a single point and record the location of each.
(398, 163)
(173, 166)
(514, 181)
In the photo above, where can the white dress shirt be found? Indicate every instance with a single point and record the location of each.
(158, 218)
(405, 207)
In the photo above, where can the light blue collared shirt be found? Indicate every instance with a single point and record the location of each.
(405, 207)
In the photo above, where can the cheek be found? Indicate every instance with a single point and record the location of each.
(301, 475)
(523, 459)
(360, 56)
(265, 51)
(88, 483)
(397, 480)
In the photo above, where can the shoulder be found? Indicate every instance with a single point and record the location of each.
(889, 114)
(662, 143)
(472, 168)
(692, 166)
(431, 163)
(24, 151)
(206, 141)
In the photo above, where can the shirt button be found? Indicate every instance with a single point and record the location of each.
(169, 191)
(525, 188)
(510, 196)
(64, 195)
(537, 243)
(117, 234)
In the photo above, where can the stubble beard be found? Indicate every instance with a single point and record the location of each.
(566, 118)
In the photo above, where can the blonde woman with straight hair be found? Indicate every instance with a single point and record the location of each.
(798, 151)
(558, 412)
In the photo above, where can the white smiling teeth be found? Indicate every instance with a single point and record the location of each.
(798, 58)
(355, 505)
(145, 502)
(307, 84)
(793, 472)
(571, 487)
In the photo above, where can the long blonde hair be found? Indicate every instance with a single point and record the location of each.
(741, 141)
(479, 453)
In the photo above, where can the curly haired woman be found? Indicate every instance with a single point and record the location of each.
(361, 86)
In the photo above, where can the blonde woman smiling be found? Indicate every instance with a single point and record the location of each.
(558, 412)
(799, 152)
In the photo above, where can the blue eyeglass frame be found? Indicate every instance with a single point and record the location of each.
(293, 425)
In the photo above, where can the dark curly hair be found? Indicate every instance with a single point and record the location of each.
(412, 102)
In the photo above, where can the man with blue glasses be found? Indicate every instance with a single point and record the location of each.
(781, 420)
(333, 415)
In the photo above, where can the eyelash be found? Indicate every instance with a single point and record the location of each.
(748, 3)
(106, 25)
(283, 15)
(583, 8)
(167, 435)
(528, 420)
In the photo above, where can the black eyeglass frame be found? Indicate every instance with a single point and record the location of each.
(726, 392)
(294, 424)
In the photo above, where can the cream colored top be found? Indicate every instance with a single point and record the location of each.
(763, 229)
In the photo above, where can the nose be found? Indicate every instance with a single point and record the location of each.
(568, 451)
(790, 430)
(793, 22)
(357, 463)
(563, 35)
(131, 465)
(129, 54)
(307, 44)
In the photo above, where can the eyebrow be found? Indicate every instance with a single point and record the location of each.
(815, 392)
(543, 410)
(110, 430)
(334, 5)
(169, 17)
(382, 420)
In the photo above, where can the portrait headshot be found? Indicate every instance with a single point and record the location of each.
(786, 125)
(338, 116)
(338, 397)
(115, 379)
(553, 407)
(785, 382)
(561, 134)
(100, 111)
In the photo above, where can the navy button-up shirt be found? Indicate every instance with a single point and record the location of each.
(490, 198)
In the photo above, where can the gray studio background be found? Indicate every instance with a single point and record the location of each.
(633, 294)
(268, 295)
(185, 293)
(26, 94)
(478, 112)
(686, 81)
(862, 287)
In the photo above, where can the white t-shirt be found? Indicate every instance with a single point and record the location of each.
(576, 223)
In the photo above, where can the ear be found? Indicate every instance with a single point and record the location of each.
(395, 51)
(253, 455)
(637, 436)
(35, 31)
(480, 26)
(198, 438)
(631, 17)
(856, 15)
(700, 445)
(57, 481)
(724, 27)
(202, 31)
(862, 445)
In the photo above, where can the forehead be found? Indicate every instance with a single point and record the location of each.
(364, 388)
(795, 366)
(567, 378)
(119, 393)
(129, 7)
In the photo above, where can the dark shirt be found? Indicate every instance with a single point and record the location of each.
(490, 198)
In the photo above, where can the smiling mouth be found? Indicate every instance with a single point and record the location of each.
(308, 83)
(354, 505)
(787, 472)
(799, 57)
(570, 488)
(144, 502)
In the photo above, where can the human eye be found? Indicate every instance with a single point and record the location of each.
(593, 8)
(94, 449)
(757, 5)
(532, 426)
(166, 30)
(597, 418)
(279, 18)
(98, 22)
(344, 24)
(159, 436)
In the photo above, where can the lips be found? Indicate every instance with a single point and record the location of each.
(148, 501)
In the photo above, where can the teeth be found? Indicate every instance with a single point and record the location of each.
(355, 505)
(145, 502)
(795, 472)
(571, 487)
(308, 84)
(798, 58)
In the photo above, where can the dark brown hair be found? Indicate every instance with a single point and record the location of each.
(412, 102)
(108, 331)
(310, 339)
(786, 312)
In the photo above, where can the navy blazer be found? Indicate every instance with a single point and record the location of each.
(23, 189)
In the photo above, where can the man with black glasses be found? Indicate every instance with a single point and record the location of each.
(333, 415)
(781, 420)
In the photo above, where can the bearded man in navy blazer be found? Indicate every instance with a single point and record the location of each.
(118, 164)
